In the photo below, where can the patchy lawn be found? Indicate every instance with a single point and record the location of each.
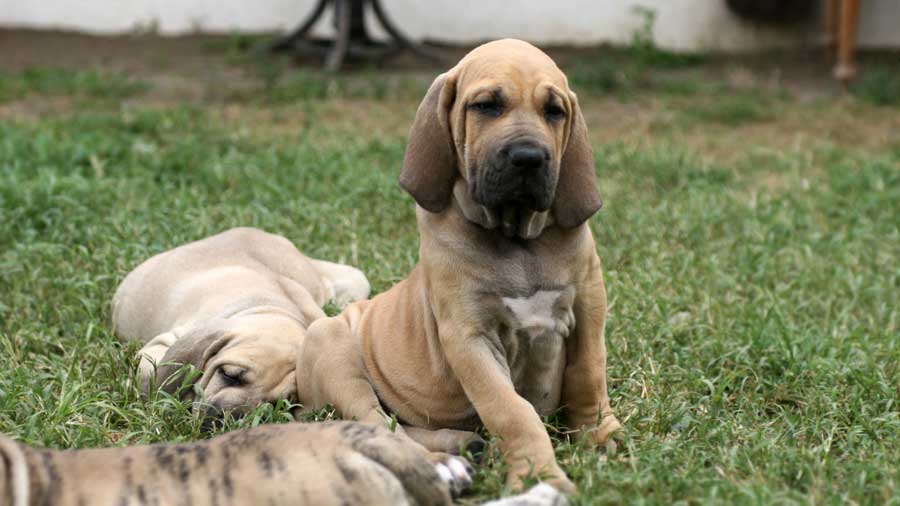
(749, 237)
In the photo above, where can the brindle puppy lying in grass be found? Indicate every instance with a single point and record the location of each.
(323, 464)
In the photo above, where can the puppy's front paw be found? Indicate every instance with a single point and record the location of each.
(541, 494)
(605, 430)
(455, 471)
(565, 322)
(551, 475)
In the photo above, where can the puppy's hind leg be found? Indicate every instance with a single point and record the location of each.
(369, 481)
(347, 284)
(330, 370)
(446, 440)
(425, 475)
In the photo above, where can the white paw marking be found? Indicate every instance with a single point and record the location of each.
(456, 473)
(459, 470)
(541, 494)
(547, 494)
(444, 472)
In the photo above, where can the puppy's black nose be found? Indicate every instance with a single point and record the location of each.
(527, 156)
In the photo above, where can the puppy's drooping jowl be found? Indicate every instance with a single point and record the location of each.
(235, 305)
(502, 320)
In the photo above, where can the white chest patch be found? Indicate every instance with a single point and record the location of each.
(535, 344)
(533, 313)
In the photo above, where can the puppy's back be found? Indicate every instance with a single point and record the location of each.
(151, 297)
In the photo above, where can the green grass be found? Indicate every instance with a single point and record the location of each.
(625, 74)
(733, 109)
(67, 82)
(879, 85)
(753, 329)
(304, 85)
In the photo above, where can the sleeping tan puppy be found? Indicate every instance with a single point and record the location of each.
(502, 320)
(235, 305)
(321, 464)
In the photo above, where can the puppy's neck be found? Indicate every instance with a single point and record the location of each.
(528, 226)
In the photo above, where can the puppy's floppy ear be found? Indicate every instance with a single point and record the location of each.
(429, 166)
(14, 482)
(577, 198)
(195, 347)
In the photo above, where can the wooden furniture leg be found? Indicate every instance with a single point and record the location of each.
(845, 70)
(399, 36)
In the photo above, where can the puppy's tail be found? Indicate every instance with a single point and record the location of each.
(344, 283)
(13, 473)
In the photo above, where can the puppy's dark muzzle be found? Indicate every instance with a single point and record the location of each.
(519, 175)
(213, 417)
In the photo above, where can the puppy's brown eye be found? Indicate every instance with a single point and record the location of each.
(232, 376)
(554, 112)
(492, 108)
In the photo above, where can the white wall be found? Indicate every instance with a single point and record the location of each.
(680, 25)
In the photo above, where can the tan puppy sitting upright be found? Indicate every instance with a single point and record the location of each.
(502, 320)
(235, 305)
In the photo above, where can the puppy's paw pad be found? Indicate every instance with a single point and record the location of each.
(457, 473)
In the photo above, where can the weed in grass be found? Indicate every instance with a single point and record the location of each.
(643, 48)
(634, 67)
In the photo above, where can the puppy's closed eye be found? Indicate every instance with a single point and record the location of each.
(489, 107)
(554, 112)
(232, 376)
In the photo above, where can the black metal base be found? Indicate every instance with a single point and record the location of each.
(351, 38)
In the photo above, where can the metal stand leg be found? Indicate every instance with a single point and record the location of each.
(342, 13)
(402, 40)
(350, 35)
(290, 41)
